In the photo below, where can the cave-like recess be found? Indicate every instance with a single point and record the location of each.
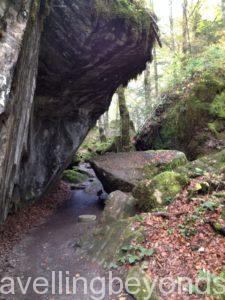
(68, 60)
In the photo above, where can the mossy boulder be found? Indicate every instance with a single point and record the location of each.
(74, 176)
(164, 160)
(139, 285)
(212, 170)
(123, 171)
(209, 164)
(159, 191)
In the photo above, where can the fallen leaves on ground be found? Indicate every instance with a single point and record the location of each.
(186, 243)
(27, 218)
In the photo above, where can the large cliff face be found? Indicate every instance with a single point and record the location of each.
(87, 49)
(19, 48)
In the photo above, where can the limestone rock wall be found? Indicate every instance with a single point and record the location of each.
(19, 48)
(87, 49)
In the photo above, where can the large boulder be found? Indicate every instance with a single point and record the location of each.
(84, 50)
(123, 171)
(160, 191)
(119, 205)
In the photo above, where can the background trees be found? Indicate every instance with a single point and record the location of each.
(124, 120)
(190, 30)
(223, 9)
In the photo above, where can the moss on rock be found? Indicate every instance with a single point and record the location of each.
(192, 119)
(74, 176)
(213, 163)
(168, 164)
(159, 191)
(105, 245)
(126, 10)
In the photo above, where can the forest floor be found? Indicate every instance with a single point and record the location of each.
(42, 238)
(40, 241)
(186, 245)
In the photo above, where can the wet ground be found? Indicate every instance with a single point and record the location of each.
(48, 251)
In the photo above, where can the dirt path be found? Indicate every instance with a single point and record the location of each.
(50, 247)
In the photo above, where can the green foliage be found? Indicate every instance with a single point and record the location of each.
(187, 232)
(210, 205)
(210, 62)
(187, 228)
(159, 191)
(139, 218)
(168, 200)
(134, 253)
(126, 10)
(113, 266)
(217, 107)
(208, 32)
(217, 127)
(210, 284)
(198, 105)
(170, 231)
(199, 172)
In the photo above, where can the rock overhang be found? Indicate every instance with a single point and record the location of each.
(84, 51)
(88, 49)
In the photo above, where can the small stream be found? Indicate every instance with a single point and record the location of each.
(50, 248)
(84, 199)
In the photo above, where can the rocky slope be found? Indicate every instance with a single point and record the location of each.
(180, 235)
(87, 49)
(191, 116)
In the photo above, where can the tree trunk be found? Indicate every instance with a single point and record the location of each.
(196, 16)
(124, 119)
(223, 9)
(172, 26)
(106, 122)
(186, 35)
(102, 135)
(147, 86)
(156, 75)
(155, 63)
